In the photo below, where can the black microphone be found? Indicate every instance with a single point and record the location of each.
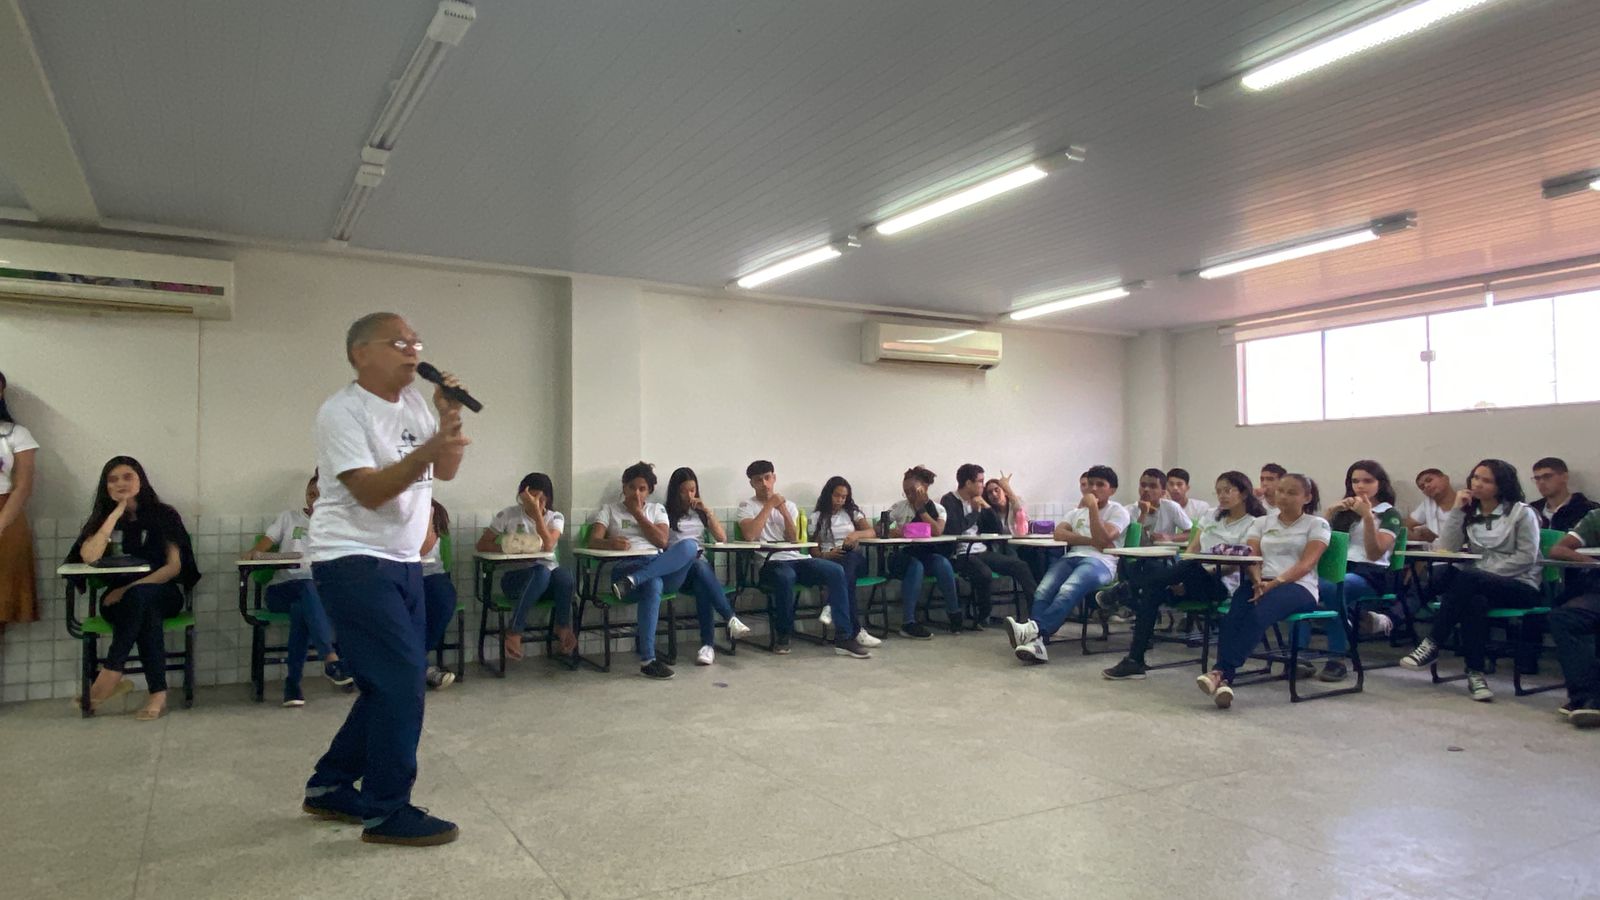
(429, 373)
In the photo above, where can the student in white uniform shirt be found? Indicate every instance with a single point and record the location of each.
(837, 524)
(1490, 519)
(1095, 526)
(439, 595)
(1291, 539)
(1178, 489)
(1426, 521)
(636, 523)
(1227, 530)
(531, 583)
(770, 518)
(913, 563)
(1161, 518)
(293, 593)
(690, 520)
(1368, 514)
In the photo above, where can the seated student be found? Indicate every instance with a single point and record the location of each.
(1096, 525)
(1438, 498)
(966, 512)
(1575, 625)
(688, 519)
(915, 562)
(1557, 507)
(1159, 515)
(439, 596)
(1178, 490)
(530, 583)
(770, 517)
(1290, 539)
(1011, 515)
(128, 518)
(1367, 513)
(635, 523)
(1270, 473)
(1490, 520)
(837, 523)
(293, 593)
(1227, 530)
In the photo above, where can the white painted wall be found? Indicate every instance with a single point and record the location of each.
(1208, 441)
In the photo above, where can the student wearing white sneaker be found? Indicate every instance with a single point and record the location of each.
(1492, 521)
(439, 596)
(637, 523)
(1290, 539)
(1159, 515)
(688, 519)
(1367, 513)
(1095, 526)
(1178, 489)
(916, 561)
(837, 523)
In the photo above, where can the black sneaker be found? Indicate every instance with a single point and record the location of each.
(1115, 596)
(655, 668)
(977, 625)
(622, 587)
(954, 625)
(781, 644)
(293, 697)
(411, 827)
(916, 631)
(1585, 717)
(337, 673)
(438, 679)
(339, 805)
(1127, 670)
(1565, 709)
(1332, 670)
(1304, 670)
(851, 647)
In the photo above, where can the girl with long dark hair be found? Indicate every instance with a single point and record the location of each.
(18, 602)
(1368, 514)
(690, 520)
(837, 523)
(128, 519)
(1490, 520)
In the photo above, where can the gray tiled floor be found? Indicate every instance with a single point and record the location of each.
(940, 769)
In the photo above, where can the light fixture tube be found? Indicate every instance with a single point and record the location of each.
(1359, 39)
(1073, 302)
(794, 264)
(977, 193)
(1572, 183)
(1310, 247)
(449, 26)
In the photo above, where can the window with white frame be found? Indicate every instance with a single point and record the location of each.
(1520, 353)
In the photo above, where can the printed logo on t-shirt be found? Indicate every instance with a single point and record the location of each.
(408, 443)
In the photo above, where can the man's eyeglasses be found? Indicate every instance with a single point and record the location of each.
(403, 345)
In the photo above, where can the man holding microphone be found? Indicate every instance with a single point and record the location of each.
(379, 449)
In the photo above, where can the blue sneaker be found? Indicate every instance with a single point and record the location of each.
(343, 804)
(411, 826)
(338, 674)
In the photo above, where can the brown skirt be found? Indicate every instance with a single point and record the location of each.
(18, 602)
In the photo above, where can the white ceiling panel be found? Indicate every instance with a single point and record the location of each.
(10, 194)
(688, 142)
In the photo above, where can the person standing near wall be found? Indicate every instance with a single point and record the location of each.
(18, 602)
(379, 448)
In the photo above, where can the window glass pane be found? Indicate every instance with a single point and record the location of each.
(1283, 379)
(1577, 328)
(1377, 369)
(1494, 356)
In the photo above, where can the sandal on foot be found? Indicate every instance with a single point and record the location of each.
(122, 688)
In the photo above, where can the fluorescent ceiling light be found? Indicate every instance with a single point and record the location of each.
(1572, 183)
(1594, 185)
(1073, 302)
(1369, 232)
(795, 263)
(1359, 39)
(983, 190)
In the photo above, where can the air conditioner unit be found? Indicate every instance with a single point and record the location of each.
(935, 345)
(89, 279)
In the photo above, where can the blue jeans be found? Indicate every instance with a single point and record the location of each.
(308, 625)
(1355, 587)
(653, 576)
(439, 608)
(377, 608)
(853, 561)
(1070, 579)
(779, 577)
(709, 598)
(531, 585)
(1246, 623)
(919, 567)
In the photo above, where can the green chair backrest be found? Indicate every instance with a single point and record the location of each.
(1336, 559)
(447, 556)
(583, 535)
(1548, 539)
(1397, 554)
(1134, 536)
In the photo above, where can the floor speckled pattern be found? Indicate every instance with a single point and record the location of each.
(937, 769)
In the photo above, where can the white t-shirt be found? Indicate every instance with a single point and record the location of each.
(357, 429)
(1114, 516)
(840, 524)
(621, 523)
(690, 528)
(1196, 509)
(1214, 531)
(1169, 518)
(1281, 545)
(431, 564)
(901, 513)
(289, 531)
(14, 439)
(1358, 538)
(1431, 517)
(512, 520)
(773, 531)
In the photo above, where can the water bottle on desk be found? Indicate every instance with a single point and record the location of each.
(883, 524)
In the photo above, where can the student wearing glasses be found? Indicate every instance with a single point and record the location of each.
(1558, 507)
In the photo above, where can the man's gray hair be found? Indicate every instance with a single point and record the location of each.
(363, 330)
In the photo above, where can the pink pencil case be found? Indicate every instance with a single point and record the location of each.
(917, 530)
